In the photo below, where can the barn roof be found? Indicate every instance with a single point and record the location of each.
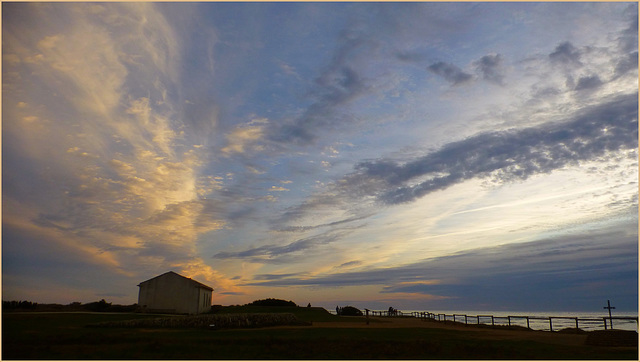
(195, 282)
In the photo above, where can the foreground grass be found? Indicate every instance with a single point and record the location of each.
(64, 336)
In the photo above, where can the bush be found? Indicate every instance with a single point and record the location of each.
(100, 306)
(350, 311)
(271, 302)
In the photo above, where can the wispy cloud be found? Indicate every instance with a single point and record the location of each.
(338, 85)
(286, 253)
(243, 139)
(127, 178)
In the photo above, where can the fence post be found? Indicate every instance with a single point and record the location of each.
(605, 322)
(528, 323)
(492, 322)
(465, 319)
(577, 324)
(550, 325)
(509, 319)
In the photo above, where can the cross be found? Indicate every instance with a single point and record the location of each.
(609, 307)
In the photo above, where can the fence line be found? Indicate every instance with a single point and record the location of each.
(483, 319)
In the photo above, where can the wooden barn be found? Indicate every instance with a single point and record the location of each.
(173, 293)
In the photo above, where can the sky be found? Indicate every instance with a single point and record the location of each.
(425, 156)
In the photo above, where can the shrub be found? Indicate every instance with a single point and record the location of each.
(350, 311)
(271, 302)
(100, 306)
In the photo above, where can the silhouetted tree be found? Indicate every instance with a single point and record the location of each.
(22, 304)
(271, 302)
(350, 311)
(100, 306)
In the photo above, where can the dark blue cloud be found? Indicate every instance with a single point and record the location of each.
(588, 82)
(566, 53)
(410, 57)
(628, 39)
(338, 84)
(331, 224)
(627, 63)
(505, 155)
(274, 276)
(491, 68)
(451, 73)
(564, 272)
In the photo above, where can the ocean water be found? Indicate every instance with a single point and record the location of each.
(543, 324)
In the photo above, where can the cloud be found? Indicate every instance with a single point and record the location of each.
(588, 82)
(244, 139)
(628, 38)
(124, 184)
(411, 287)
(410, 57)
(274, 276)
(285, 253)
(331, 224)
(334, 88)
(338, 85)
(506, 155)
(491, 68)
(566, 53)
(513, 272)
(352, 263)
(627, 63)
(450, 73)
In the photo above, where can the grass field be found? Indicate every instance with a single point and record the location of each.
(64, 336)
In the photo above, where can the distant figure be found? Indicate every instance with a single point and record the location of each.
(309, 305)
(390, 311)
(337, 310)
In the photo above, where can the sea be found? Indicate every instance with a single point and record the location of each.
(587, 321)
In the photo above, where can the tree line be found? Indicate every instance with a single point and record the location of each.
(98, 306)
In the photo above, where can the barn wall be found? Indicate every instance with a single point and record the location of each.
(204, 300)
(170, 293)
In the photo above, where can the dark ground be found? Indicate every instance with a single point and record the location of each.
(65, 336)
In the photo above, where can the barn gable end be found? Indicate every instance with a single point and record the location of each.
(173, 293)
